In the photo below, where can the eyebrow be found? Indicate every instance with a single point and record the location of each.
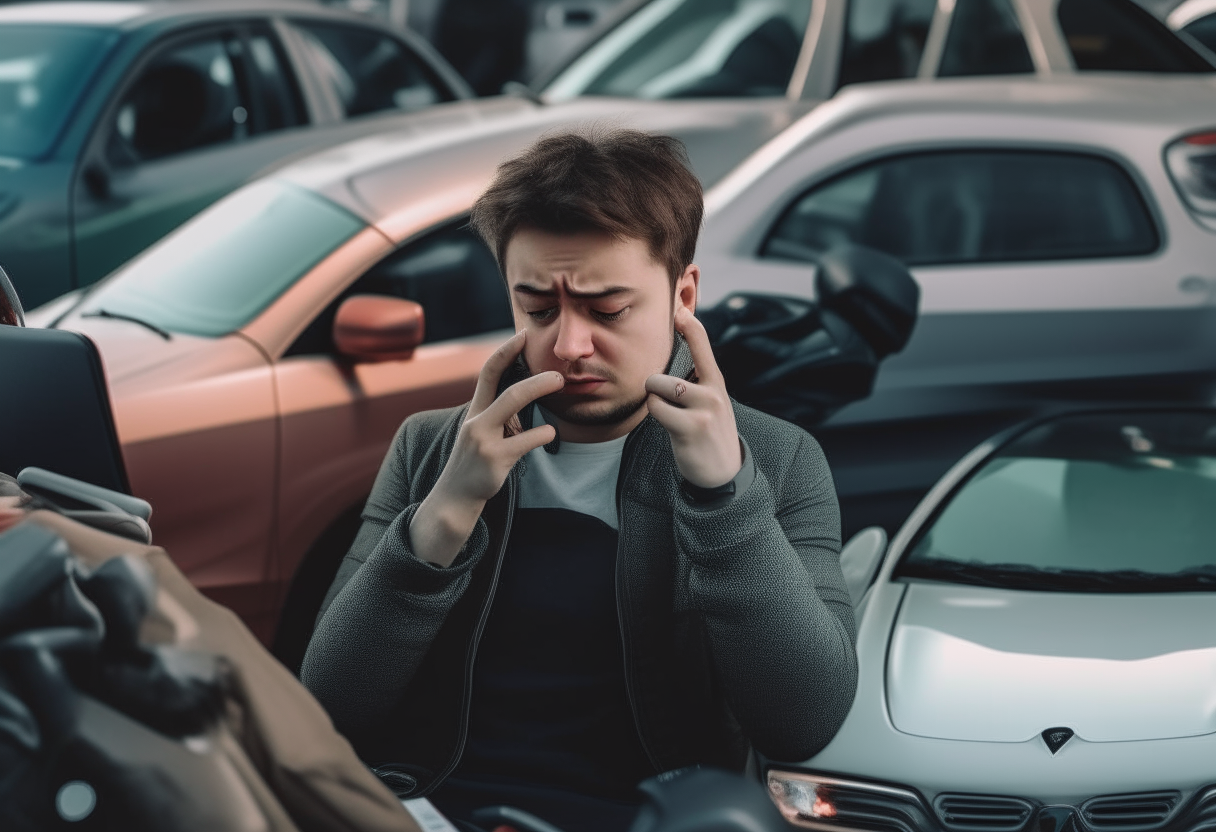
(536, 292)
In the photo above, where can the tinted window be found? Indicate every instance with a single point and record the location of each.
(1117, 35)
(43, 70)
(218, 271)
(190, 96)
(1203, 30)
(884, 39)
(686, 48)
(985, 39)
(1116, 502)
(278, 97)
(369, 71)
(450, 272)
(973, 207)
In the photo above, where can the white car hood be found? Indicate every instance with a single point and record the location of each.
(987, 665)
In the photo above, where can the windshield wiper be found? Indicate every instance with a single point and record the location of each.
(118, 316)
(1021, 576)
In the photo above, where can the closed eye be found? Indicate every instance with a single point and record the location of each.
(611, 316)
(543, 314)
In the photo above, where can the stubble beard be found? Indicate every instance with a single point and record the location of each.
(583, 410)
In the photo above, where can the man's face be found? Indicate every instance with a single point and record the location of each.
(601, 312)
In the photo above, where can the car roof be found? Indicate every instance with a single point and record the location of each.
(444, 155)
(1171, 105)
(132, 15)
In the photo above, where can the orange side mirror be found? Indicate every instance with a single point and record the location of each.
(378, 328)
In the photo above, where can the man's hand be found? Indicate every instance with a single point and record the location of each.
(487, 447)
(698, 417)
(10, 513)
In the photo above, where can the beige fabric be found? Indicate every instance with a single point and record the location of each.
(284, 735)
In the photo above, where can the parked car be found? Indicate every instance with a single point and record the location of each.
(118, 121)
(1062, 231)
(1036, 651)
(232, 397)
(800, 49)
(1196, 18)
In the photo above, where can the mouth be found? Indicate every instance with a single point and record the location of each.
(582, 384)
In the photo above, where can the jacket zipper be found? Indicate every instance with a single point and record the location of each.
(626, 465)
(477, 631)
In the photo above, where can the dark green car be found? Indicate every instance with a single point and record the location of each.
(119, 121)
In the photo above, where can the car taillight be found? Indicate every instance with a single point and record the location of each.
(1192, 165)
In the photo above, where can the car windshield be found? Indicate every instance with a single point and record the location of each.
(1098, 503)
(690, 48)
(219, 270)
(43, 70)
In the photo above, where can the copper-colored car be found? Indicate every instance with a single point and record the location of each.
(262, 356)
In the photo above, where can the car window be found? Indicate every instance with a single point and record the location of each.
(1203, 30)
(450, 272)
(191, 95)
(275, 89)
(985, 38)
(1115, 502)
(1119, 36)
(221, 269)
(973, 206)
(43, 71)
(884, 39)
(368, 71)
(690, 48)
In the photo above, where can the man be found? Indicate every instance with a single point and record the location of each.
(607, 568)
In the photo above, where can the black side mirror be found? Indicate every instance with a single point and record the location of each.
(706, 800)
(802, 360)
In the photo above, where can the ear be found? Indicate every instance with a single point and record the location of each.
(686, 289)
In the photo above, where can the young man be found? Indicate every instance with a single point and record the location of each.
(607, 568)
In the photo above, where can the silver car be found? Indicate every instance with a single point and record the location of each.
(1062, 231)
(1037, 651)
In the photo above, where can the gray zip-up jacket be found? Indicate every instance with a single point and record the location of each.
(735, 619)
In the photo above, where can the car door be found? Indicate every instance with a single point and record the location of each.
(198, 115)
(338, 417)
(1046, 281)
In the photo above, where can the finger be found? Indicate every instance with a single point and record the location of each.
(522, 393)
(666, 414)
(529, 440)
(677, 391)
(492, 370)
(698, 343)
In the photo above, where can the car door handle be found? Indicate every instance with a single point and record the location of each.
(1195, 285)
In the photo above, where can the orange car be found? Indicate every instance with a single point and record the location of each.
(261, 357)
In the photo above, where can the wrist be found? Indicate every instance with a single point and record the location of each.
(441, 526)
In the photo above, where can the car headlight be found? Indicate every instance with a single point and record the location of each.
(814, 801)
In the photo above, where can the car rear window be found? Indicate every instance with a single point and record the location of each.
(1105, 502)
(218, 271)
(973, 206)
(43, 70)
(1119, 36)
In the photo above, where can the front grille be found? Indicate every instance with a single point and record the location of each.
(982, 813)
(1129, 811)
(886, 810)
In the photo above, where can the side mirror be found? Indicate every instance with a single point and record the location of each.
(859, 560)
(378, 328)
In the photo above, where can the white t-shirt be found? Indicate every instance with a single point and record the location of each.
(580, 477)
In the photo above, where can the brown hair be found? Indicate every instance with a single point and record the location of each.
(625, 183)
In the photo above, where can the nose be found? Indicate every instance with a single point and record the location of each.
(573, 337)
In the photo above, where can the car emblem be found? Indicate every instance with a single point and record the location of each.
(1056, 737)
